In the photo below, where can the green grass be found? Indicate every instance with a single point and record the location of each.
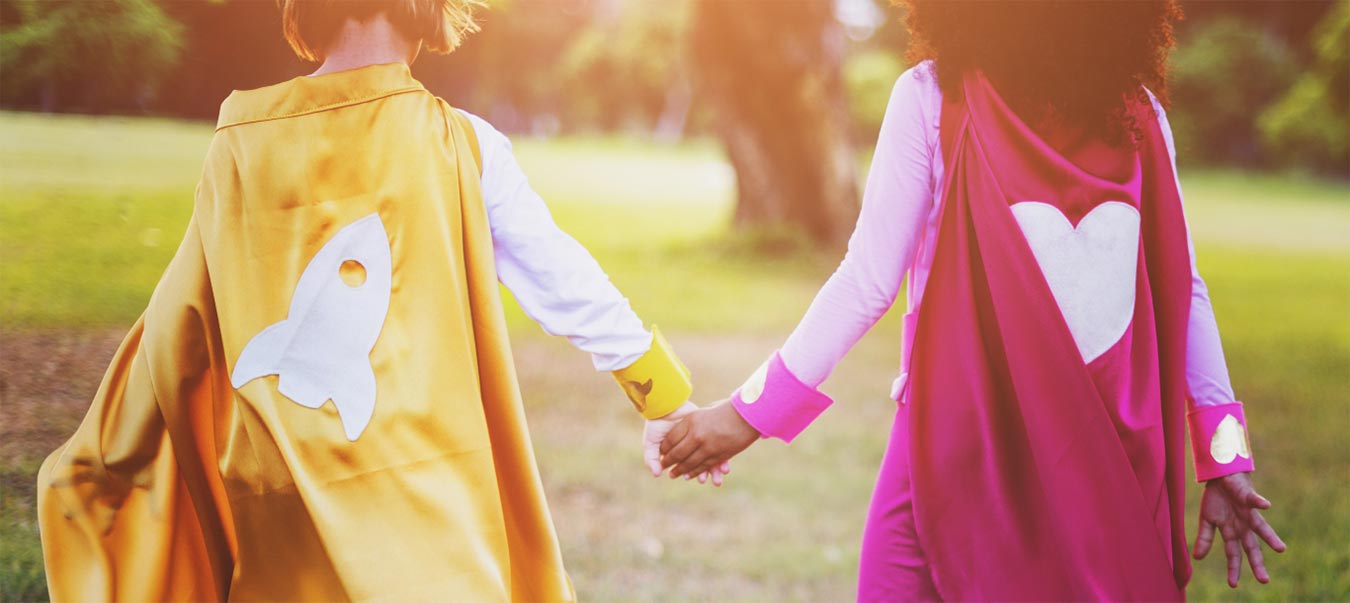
(21, 575)
(91, 210)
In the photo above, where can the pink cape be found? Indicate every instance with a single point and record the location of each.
(1037, 476)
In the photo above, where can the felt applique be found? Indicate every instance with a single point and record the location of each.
(754, 386)
(321, 351)
(1229, 441)
(1091, 268)
(637, 392)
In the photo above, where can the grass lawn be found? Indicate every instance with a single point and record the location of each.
(92, 208)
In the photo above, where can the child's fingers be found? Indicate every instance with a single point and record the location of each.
(674, 437)
(718, 464)
(703, 478)
(1204, 539)
(693, 464)
(1267, 533)
(685, 466)
(726, 468)
(679, 453)
(1243, 492)
(1252, 543)
(699, 467)
(716, 475)
(651, 455)
(1233, 550)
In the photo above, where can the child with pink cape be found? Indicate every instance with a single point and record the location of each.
(1058, 341)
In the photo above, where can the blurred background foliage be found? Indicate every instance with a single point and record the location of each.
(87, 56)
(1225, 74)
(1309, 126)
(1256, 84)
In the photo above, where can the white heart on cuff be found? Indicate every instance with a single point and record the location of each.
(754, 386)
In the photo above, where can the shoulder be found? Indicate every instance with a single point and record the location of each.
(489, 138)
(914, 110)
(919, 83)
(495, 150)
(916, 92)
(921, 78)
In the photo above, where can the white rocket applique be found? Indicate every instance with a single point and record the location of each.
(321, 351)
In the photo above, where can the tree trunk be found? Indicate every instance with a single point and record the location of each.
(675, 112)
(771, 71)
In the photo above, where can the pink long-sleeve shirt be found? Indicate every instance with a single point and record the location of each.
(896, 234)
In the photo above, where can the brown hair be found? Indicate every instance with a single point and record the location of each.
(1071, 60)
(310, 25)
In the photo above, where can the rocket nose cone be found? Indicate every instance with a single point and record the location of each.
(367, 228)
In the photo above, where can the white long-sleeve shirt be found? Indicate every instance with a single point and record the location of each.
(553, 278)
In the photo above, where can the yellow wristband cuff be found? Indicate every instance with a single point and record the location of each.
(658, 383)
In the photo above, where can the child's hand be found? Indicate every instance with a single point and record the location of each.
(1231, 505)
(655, 432)
(706, 439)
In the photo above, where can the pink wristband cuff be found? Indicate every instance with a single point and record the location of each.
(1219, 441)
(777, 403)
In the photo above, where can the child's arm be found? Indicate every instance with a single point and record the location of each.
(1217, 423)
(782, 397)
(1222, 452)
(563, 288)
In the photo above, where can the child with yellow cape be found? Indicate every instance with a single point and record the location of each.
(319, 402)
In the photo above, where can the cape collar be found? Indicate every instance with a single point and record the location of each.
(309, 94)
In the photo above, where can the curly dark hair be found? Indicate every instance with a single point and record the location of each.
(1074, 61)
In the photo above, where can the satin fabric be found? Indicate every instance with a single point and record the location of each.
(1036, 476)
(179, 487)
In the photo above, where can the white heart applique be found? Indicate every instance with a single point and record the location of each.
(1091, 269)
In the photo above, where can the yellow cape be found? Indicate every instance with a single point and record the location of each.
(180, 486)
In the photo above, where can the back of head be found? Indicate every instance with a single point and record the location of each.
(1068, 61)
(441, 25)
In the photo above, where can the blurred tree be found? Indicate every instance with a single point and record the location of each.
(1310, 126)
(227, 45)
(869, 76)
(771, 73)
(1290, 20)
(625, 70)
(1224, 74)
(95, 55)
(509, 73)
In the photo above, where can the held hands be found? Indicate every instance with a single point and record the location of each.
(704, 441)
(1231, 504)
(655, 432)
